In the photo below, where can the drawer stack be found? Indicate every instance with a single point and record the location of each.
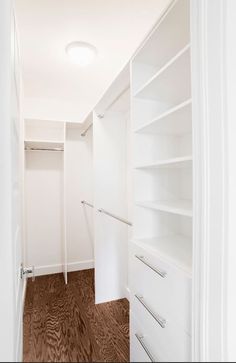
(160, 256)
(160, 308)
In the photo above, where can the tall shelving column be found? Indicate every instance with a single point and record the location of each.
(161, 246)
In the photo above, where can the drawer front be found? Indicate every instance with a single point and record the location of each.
(140, 347)
(165, 289)
(166, 342)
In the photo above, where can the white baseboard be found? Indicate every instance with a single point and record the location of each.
(54, 269)
(127, 295)
(79, 266)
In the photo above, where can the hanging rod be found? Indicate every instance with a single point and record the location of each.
(118, 97)
(101, 115)
(86, 130)
(41, 149)
(87, 203)
(114, 216)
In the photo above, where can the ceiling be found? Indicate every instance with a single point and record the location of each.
(54, 88)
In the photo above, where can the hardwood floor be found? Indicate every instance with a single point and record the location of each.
(62, 323)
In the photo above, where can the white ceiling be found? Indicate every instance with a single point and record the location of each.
(54, 88)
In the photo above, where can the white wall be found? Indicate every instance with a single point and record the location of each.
(43, 210)
(44, 183)
(79, 186)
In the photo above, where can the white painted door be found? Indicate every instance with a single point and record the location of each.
(11, 190)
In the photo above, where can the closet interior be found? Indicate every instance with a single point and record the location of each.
(115, 193)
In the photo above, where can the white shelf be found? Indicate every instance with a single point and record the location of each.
(168, 36)
(177, 120)
(172, 83)
(179, 162)
(176, 250)
(182, 207)
(44, 144)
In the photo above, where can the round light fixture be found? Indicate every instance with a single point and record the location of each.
(81, 53)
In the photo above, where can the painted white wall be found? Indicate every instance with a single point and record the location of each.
(44, 210)
(79, 186)
(55, 88)
(45, 174)
(53, 109)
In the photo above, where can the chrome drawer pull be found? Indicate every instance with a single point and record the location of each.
(159, 320)
(159, 272)
(140, 339)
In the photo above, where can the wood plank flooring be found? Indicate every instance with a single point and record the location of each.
(63, 324)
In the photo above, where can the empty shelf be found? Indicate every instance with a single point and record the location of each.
(177, 121)
(179, 162)
(176, 250)
(172, 83)
(182, 207)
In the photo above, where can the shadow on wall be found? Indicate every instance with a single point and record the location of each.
(88, 217)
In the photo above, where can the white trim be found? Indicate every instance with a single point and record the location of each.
(19, 340)
(209, 169)
(127, 293)
(73, 266)
(230, 257)
(64, 221)
(79, 266)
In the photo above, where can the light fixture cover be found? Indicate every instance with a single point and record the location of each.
(81, 53)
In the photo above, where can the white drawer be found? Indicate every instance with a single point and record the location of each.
(167, 342)
(139, 344)
(169, 296)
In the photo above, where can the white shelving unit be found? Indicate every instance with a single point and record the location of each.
(174, 249)
(181, 206)
(172, 82)
(179, 162)
(163, 213)
(174, 121)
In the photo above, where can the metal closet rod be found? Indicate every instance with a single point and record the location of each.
(41, 149)
(87, 203)
(108, 213)
(117, 97)
(101, 115)
(107, 108)
(115, 217)
(86, 130)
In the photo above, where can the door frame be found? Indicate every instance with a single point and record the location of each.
(12, 287)
(7, 306)
(213, 32)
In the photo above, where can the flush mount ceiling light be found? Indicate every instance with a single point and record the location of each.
(81, 53)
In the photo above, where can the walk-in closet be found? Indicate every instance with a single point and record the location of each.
(115, 198)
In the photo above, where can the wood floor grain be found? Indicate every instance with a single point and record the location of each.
(63, 324)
